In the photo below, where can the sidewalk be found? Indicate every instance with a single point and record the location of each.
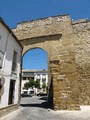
(35, 109)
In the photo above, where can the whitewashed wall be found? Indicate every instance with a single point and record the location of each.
(6, 37)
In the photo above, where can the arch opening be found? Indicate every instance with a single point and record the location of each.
(35, 55)
(35, 72)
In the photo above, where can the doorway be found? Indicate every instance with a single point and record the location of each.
(11, 92)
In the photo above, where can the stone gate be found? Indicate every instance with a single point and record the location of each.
(67, 44)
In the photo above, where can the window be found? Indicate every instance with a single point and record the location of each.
(1, 59)
(14, 63)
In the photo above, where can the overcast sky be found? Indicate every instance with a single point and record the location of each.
(15, 11)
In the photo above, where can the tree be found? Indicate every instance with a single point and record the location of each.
(26, 85)
(44, 85)
(32, 84)
(37, 84)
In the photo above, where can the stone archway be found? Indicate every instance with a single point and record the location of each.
(55, 36)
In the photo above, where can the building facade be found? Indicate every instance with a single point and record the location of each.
(37, 75)
(10, 61)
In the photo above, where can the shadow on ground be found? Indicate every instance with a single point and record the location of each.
(44, 104)
(43, 98)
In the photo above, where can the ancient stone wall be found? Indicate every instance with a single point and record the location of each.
(67, 46)
(82, 57)
(44, 27)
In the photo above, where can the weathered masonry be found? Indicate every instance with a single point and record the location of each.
(68, 46)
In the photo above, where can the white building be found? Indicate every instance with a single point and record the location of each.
(10, 61)
(37, 75)
(42, 77)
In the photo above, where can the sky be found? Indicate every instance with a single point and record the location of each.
(35, 59)
(15, 11)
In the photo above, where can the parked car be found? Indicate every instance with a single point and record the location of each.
(41, 94)
(25, 95)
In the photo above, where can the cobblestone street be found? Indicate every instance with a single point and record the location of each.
(35, 108)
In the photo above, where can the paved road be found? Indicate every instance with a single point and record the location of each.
(35, 108)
